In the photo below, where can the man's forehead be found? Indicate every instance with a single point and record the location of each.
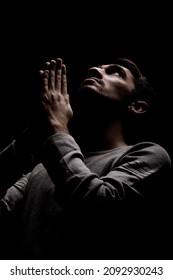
(112, 65)
(124, 68)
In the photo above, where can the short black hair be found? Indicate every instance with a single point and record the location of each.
(129, 64)
(143, 88)
(140, 127)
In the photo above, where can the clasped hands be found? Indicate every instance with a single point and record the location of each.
(54, 97)
(53, 110)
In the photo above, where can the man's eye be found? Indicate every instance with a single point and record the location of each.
(115, 70)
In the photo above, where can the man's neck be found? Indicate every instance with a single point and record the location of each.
(100, 139)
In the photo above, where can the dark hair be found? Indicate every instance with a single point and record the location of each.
(129, 64)
(143, 89)
(143, 123)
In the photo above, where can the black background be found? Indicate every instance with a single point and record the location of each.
(82, 35)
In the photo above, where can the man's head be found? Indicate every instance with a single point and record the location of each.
(122, 83)
(115, 93)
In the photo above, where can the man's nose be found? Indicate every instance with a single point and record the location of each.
(95, 72)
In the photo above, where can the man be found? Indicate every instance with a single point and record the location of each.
(88, 193)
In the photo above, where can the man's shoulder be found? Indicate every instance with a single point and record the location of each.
(150, 147)
(152, 151)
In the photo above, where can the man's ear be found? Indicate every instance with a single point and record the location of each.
(138, 106)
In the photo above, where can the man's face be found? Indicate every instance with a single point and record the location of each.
(112, 81)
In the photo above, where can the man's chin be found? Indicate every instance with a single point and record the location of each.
(89, 90)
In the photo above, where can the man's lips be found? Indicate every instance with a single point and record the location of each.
(90, 80)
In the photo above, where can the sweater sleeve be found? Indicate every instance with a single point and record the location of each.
(64, 161)
(14, 195)
(13, 165)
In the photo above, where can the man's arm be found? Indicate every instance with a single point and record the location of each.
(139, 173)
(14, 195)
(21, 155)
(16, 159)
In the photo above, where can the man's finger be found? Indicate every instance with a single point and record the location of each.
(58, 74)
(52, 69)
(63, 80)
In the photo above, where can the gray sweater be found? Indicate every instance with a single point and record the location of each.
(105, 204)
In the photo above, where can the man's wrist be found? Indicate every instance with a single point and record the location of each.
(60, 129)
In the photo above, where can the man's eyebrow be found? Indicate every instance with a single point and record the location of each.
(118, 66)
(112, 65)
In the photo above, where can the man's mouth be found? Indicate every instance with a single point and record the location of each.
(90, 80)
